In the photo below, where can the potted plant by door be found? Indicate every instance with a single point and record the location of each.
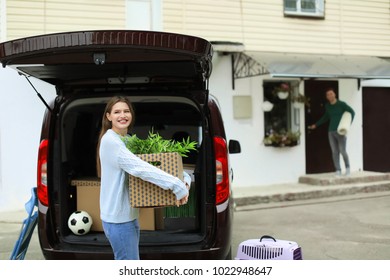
(299, 100)
(282, 91)
(282, 139)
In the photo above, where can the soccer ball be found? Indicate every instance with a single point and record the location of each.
(80, 222)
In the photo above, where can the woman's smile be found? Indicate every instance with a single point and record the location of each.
(123, 121)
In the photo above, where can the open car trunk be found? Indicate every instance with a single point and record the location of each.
(78, 127)
(165, 76)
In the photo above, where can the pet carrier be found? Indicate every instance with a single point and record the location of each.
(268, 248)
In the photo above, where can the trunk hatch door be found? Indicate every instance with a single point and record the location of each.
(90, 58)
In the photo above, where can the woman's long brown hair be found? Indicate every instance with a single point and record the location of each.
(106, 124)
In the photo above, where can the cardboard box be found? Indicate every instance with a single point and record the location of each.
(147, 219)
(145, 194)
(88, 194)
(151, 218)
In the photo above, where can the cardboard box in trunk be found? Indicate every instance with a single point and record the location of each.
(88, 193)
(145, 194)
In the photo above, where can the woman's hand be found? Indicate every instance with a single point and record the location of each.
(187, 183)
(182, 201)
(313, 126)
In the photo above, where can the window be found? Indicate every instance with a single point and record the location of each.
(281, 121)
(307, 8)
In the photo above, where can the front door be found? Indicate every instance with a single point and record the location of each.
(318, 153)
(376, 133)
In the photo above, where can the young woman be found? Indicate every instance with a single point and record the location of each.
(115, 162)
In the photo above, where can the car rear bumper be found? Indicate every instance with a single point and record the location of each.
(145, 254)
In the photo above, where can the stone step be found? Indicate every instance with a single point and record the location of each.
(328, 179)
(295, 192)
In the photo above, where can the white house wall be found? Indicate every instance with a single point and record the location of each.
(257, 164)
(21, 114)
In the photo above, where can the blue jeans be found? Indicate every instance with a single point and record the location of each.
(338, 145)
(124, 239)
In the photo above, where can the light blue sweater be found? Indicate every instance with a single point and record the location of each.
(116, 161)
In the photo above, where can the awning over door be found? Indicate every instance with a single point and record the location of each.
(320, 66)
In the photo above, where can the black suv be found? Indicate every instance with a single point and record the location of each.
(165, 76)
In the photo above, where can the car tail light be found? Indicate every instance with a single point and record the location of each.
(222, 170)
(42, 173)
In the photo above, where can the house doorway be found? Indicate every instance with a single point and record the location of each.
(376, 121)
(318, 152)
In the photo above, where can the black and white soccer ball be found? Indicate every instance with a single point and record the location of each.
(80, 222)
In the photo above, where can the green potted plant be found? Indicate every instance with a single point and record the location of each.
(154, 144)
(164, 154)
(300, 99)
(282, 91)
(282, 139)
